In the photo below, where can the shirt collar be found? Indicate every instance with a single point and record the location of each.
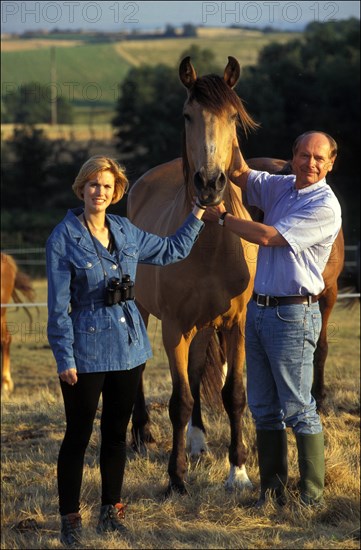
(311, 188)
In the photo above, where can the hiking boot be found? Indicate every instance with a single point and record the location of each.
(71, 529)
(111, 517)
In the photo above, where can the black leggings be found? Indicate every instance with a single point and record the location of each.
(118, 391)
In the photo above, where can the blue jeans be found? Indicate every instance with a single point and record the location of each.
(280, 344)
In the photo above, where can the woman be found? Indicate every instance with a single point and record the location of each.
(96, 332)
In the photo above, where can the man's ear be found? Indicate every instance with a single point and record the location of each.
(330, 164)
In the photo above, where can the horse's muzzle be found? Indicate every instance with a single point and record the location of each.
(209, 189)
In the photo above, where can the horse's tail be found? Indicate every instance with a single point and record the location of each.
(214, 371)
(23, 284)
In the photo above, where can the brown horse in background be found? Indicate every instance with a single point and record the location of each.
(208, 291)
(12, 281)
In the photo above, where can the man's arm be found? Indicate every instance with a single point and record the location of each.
(253, 232)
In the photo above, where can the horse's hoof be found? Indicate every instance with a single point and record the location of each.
(238, 479)
(176, 488)
(141, 442)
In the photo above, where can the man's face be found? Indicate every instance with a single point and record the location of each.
(312, 160)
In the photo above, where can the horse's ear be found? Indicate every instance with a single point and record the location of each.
(187, 74)
(232, 72)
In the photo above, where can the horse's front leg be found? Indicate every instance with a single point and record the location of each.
(7, 384)
(234, 401)
(180, 404)
(196, 433)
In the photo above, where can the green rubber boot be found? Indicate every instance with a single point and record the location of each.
(311, 462)
(272, 462)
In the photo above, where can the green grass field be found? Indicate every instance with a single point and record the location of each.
(89, 74)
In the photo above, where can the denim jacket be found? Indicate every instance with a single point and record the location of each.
(84, 333)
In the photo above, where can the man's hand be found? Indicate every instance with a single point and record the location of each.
(213, 213)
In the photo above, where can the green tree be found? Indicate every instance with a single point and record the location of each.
(149, 120)
(31, 104)
(312, 83)
(306, 84)
(24, 168)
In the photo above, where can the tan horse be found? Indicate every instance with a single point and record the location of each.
(12, 280)
(209, 290)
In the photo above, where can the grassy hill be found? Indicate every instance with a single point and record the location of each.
(88, 74)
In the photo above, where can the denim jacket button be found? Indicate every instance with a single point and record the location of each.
(89, 264)
(122, 319)
(114, 266)
(91, 329)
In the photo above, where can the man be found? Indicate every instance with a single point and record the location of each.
(302, 218)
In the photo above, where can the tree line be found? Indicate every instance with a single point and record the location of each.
(311, 83)
(307, 83)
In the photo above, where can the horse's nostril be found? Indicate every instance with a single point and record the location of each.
(198, 180)
(221, 181)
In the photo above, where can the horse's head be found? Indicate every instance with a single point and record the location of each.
(211, 112)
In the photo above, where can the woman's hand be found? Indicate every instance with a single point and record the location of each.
(69, 376)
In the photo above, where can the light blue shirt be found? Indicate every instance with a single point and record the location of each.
(309, 219)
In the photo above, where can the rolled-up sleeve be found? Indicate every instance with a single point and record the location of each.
(309, 227)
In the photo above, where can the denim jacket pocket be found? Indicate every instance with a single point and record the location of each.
(88, 269)
(128, 258)
(92, 337)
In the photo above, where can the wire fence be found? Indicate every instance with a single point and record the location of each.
(25, 257)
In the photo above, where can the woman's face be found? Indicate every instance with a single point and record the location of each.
(98, 192)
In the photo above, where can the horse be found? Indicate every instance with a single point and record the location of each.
(202, 301)
(12, 281)
(207, 292)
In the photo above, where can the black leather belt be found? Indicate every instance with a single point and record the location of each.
(273, 301)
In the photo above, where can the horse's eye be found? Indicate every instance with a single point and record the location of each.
(234, 117)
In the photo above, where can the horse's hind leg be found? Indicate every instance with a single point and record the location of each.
(180, 404)
(141, 434)
(7, 384)
(326, 301)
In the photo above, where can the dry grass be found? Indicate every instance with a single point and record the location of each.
(36, 44)
(68, 132)
(32, 429)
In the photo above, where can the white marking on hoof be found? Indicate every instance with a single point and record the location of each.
(238, 479)
(196, 441)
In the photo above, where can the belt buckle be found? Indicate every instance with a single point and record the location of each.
(266, 300)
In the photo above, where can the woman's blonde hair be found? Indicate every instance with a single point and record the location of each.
(93, 166)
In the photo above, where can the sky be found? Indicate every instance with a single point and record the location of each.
(17, 17)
